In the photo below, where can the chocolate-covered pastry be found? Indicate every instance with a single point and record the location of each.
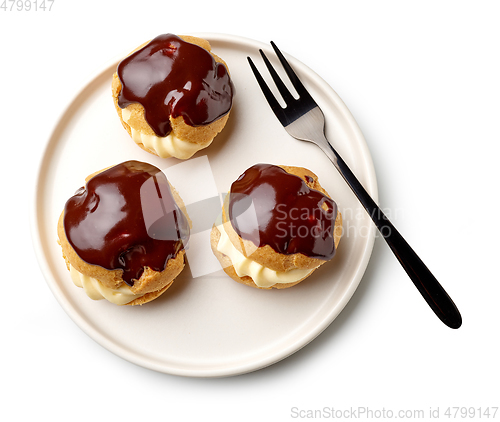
(278, 226)
(173, 95)
(123, 235)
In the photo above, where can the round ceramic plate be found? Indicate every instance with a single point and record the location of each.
(206, 324)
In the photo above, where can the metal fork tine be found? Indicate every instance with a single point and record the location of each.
(301, 90)
(285, 93)
(275, 105)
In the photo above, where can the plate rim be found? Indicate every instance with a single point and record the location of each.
(95, 334)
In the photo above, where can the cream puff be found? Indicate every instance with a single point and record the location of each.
(278, 226)
(173, 95)
(123, 235)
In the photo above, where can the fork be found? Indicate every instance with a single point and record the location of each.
(303, 119)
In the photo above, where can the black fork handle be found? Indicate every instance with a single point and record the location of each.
(426, 283)
(428, 286)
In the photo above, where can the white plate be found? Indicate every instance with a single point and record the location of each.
(208, 326)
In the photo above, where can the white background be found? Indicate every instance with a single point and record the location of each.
(421, 79)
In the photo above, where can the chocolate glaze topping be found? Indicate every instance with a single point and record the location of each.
(126, 218)
(269, 206)
(171, 77)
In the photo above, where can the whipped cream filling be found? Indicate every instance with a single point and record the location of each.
(261, 275)
(169, 146)
(97, 291)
